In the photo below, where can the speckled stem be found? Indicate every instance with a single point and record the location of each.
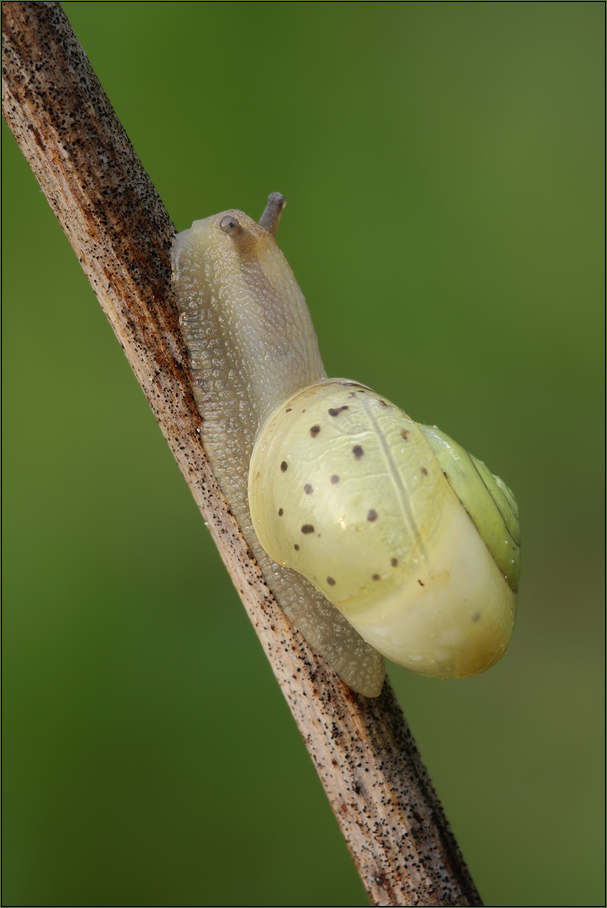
(363, 751)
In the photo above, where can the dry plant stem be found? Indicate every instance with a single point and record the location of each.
(362, 749)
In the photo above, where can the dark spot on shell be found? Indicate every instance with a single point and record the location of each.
(445, 474)
(476, 616)
(357, 451)
(375, 577)
(420, 583)
(334, 479)
(284, 466)
(280, 512)
(404, 433)
(288, 410)
(330, 581)
(307, 528)
(424, 471)
(296, 547)
(308, 489)
(383, 402)
(394, 562)
(371, 515)
(336, 411)
(314, 430)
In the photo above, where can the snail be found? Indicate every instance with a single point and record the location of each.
(378, 536)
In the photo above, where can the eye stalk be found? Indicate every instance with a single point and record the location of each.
(271, 216)
(230, 225)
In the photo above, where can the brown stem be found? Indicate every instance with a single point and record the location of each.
(362, 749)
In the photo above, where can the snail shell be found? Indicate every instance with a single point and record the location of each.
(347, 490)
(376, 534)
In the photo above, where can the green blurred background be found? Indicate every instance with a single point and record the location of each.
(443, 166)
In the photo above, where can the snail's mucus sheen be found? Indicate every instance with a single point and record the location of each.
(411, 538)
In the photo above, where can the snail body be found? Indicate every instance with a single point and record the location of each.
(376, 534)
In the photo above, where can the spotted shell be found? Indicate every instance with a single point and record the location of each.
(413, 540)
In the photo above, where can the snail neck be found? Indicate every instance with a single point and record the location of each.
(273, 330)
(265, 317)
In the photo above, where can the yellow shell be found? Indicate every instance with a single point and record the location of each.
(347, 490)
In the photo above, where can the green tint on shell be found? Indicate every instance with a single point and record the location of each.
(486, 498)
